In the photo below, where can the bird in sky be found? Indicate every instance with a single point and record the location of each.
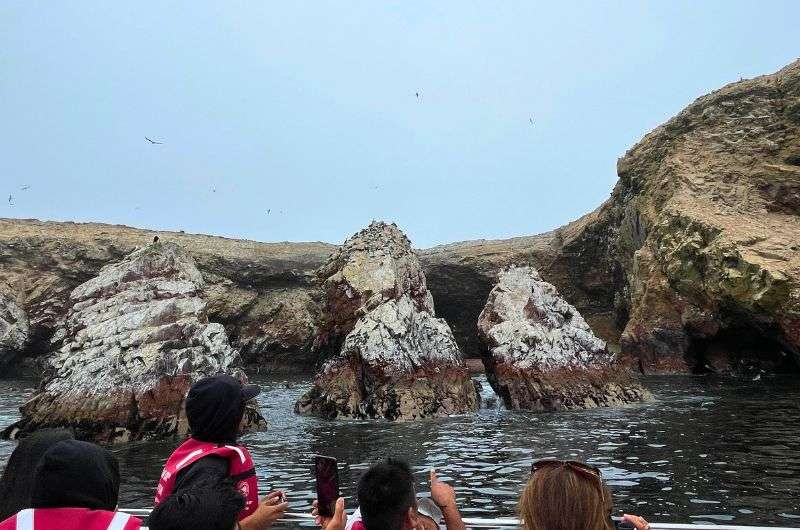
(213, 190)
(11, 200)
(152, 141)
(268, 210)
(530, 120)
(25, 187)
(417, 95)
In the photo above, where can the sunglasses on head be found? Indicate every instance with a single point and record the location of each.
(587, 470)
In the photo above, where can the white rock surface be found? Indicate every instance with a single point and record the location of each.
(14, 330)
(527, 323)
(392, 358)
(135, 339)
(541, 353)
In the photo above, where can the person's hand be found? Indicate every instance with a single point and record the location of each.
(638, 522)
(442, 493)
(336, 522)
(269, 510)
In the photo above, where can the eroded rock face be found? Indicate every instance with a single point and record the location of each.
(14, 331)
(542, 354)
(263, 293)
(392, 357)
(135, 339)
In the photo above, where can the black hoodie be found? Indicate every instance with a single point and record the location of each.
(214, 407)
(17, 481)
(74, 474)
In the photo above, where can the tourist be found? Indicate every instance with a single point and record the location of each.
(75, 487)
(387, 501)
(17, 481)
(568, 495)
(215, 407)
(210, 507)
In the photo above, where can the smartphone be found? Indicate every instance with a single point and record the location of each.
(327, 474)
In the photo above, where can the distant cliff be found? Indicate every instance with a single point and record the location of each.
(692, 264)
(261, 292)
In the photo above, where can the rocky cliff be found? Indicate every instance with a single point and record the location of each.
(391, 357)
(691, 264)
(134, 340)
(261, 292)
(542, 355)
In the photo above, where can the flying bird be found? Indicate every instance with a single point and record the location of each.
(11, 200)
(268, 210)
(417, 95)
(25, 187)
(152, 141)
(530, 120)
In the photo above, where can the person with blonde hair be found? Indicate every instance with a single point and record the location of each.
(569, 495)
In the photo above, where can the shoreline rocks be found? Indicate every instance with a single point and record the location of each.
(135, 338)
(542, 355)
(14, 331)
(391, 357)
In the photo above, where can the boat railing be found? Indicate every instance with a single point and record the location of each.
(511, 522)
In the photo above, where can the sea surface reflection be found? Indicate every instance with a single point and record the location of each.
(706, 450)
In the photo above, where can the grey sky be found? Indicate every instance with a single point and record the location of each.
(308, 109)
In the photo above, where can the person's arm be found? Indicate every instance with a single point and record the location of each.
(639, 522)
(269, 510)
(445, 498)
(337, 522)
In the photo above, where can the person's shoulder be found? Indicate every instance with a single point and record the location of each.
(210, 468)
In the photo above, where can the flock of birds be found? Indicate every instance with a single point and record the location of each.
(213, 190)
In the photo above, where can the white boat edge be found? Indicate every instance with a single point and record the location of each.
(511, 522)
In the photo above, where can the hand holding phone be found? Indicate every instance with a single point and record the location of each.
(327, 475)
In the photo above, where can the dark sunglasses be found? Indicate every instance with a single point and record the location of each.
(581, 468)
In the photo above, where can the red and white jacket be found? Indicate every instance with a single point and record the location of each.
(70, 519)
(240, 469)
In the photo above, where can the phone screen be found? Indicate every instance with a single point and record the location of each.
(327, 474)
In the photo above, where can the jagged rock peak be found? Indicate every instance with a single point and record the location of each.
(375, 265)
(134, 340)
(392, 358)
(542, 354)
(528, 323)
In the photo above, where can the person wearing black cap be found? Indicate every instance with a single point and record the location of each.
(215, 407)
(76, 487)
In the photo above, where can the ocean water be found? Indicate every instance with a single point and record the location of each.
(705, 450)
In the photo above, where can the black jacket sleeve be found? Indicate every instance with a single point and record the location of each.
(210, 471)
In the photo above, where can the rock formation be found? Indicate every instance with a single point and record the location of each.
(392, 358)
(134, 340)
(702, 233)
(695, 257)
(14, 331)
(690, 265)
(263, 293)
(542, 354)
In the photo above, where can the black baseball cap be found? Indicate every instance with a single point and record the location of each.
(214, 406)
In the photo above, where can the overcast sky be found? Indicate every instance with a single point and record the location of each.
(299, 121)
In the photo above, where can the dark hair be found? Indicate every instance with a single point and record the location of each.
(204, 507)
(17, 481)
(74, 474)
(385, 493)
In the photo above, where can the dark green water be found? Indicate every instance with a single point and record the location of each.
(706, 450)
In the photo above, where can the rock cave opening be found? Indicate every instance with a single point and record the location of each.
(743, 350)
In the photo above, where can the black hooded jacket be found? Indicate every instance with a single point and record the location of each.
(214, 408)
(74, 474)
(17, 481)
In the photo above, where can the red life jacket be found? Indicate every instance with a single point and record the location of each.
(70, 519)
(240, 469)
